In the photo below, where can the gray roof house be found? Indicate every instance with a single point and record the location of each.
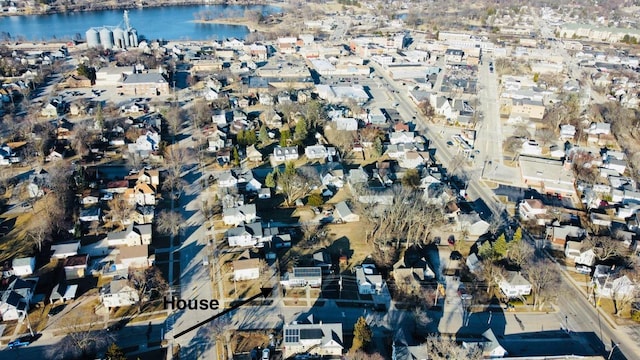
(345, 214)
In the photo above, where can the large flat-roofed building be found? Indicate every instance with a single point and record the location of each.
(145, 84)
(552, 176)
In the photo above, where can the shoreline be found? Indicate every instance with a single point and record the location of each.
(251, 25)
(127, 6)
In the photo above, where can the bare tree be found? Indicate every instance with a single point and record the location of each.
(169, 222)
(520, 253)
(442, 348)
(295, 183)
(426, 109)
(149, 284)
(545, 281)
(38, 231)
(545, 136)
(174, 119)
(84, 338)
(521, 131)
(606, 247)
(174, 159)
(496, 224)
(120, 210)
(492, 274)
(82, 139)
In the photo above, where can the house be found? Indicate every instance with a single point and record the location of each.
(227, 179)
(239, 214)
(132, 257)
(614, 288)
(302, 277)
(245, 234)
(346, 124)
(65, 250)
(315, 152)
(150, 177)
(368, 279)
(552, 176)
(572, 249)
(285, 153)
(333, 177)
(23, 266)
(323, 339)
(567, 132)
(63, 292)
(488, 345)
(75, 267)
(133, 235)
(558, 235)
(15, 299)
(143, 215)
(532, 209)
(90, 214)
(118, 293)
(345, 214)
(142, 194)
(473, 224)
(514, 285)
(253, 154)
(587, 258)
(599, 129)
(413, 268)
(246, 269)
(401, 137)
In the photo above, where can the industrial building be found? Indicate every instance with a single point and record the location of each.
(113, 37)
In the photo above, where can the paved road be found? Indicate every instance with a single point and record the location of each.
(489, 135)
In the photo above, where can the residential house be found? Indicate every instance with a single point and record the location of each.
(65, 250)
(473, 224)
(614, 287)
(401, 137)
(514, 285)
(413, 269)
(245, 234)
(227, 179)
(532, 109)
(133, 257)
(302, 277)
(323, 339)
(118, 293)
(346, 124)
(316, 152)
(133, 235)
(90, 214)
(142, 194)
(558, 235)
(587, 258)
(572, 249)
(253, 154)
(288, 153)
(532, 210)
(333, 177)
(344, 213)
(23, 266)
(75, 267)
(368, 279)
(143, 215)
(150, 177)
(15, 299)
(454, 56)
(239, 214)
(246, 268)
(63, 292)
(567, 132)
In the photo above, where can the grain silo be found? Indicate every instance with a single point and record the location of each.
(119, 38)
(106, 38)
(93, 37)
(133, 37)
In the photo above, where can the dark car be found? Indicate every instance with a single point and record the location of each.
(23, 341)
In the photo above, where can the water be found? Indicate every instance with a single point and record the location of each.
(168, 23)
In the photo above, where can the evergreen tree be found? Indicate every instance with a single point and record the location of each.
(235, 157)
(315, 199)
(500, 247)
(361, 334)
(378, 149)
(485, 251)
(263, 136)
(517, 235)
(300, 132)
(285, 135)
(270, 180)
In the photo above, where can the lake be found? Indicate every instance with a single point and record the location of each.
(168, 23)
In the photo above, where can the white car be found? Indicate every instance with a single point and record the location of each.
(265, 354)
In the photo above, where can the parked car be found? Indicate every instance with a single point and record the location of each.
(266, 354)
(23, 341)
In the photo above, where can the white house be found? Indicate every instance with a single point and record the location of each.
(302, 276)
(316, 152)
(618, 288)
(239, 214)
(245, 234)
(23, 266)
(15, 298)
(246, 269)
(368, 279)
(531, 209)
(132, 257)
(285, 153)
(345, 214)
(322, 339)
(133, 235)
(227, 180)
(587, 257)
(346, 124)
(401, 137)
(118, 293)
(514, 285)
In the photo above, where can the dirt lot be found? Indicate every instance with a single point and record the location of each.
(242, 341)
